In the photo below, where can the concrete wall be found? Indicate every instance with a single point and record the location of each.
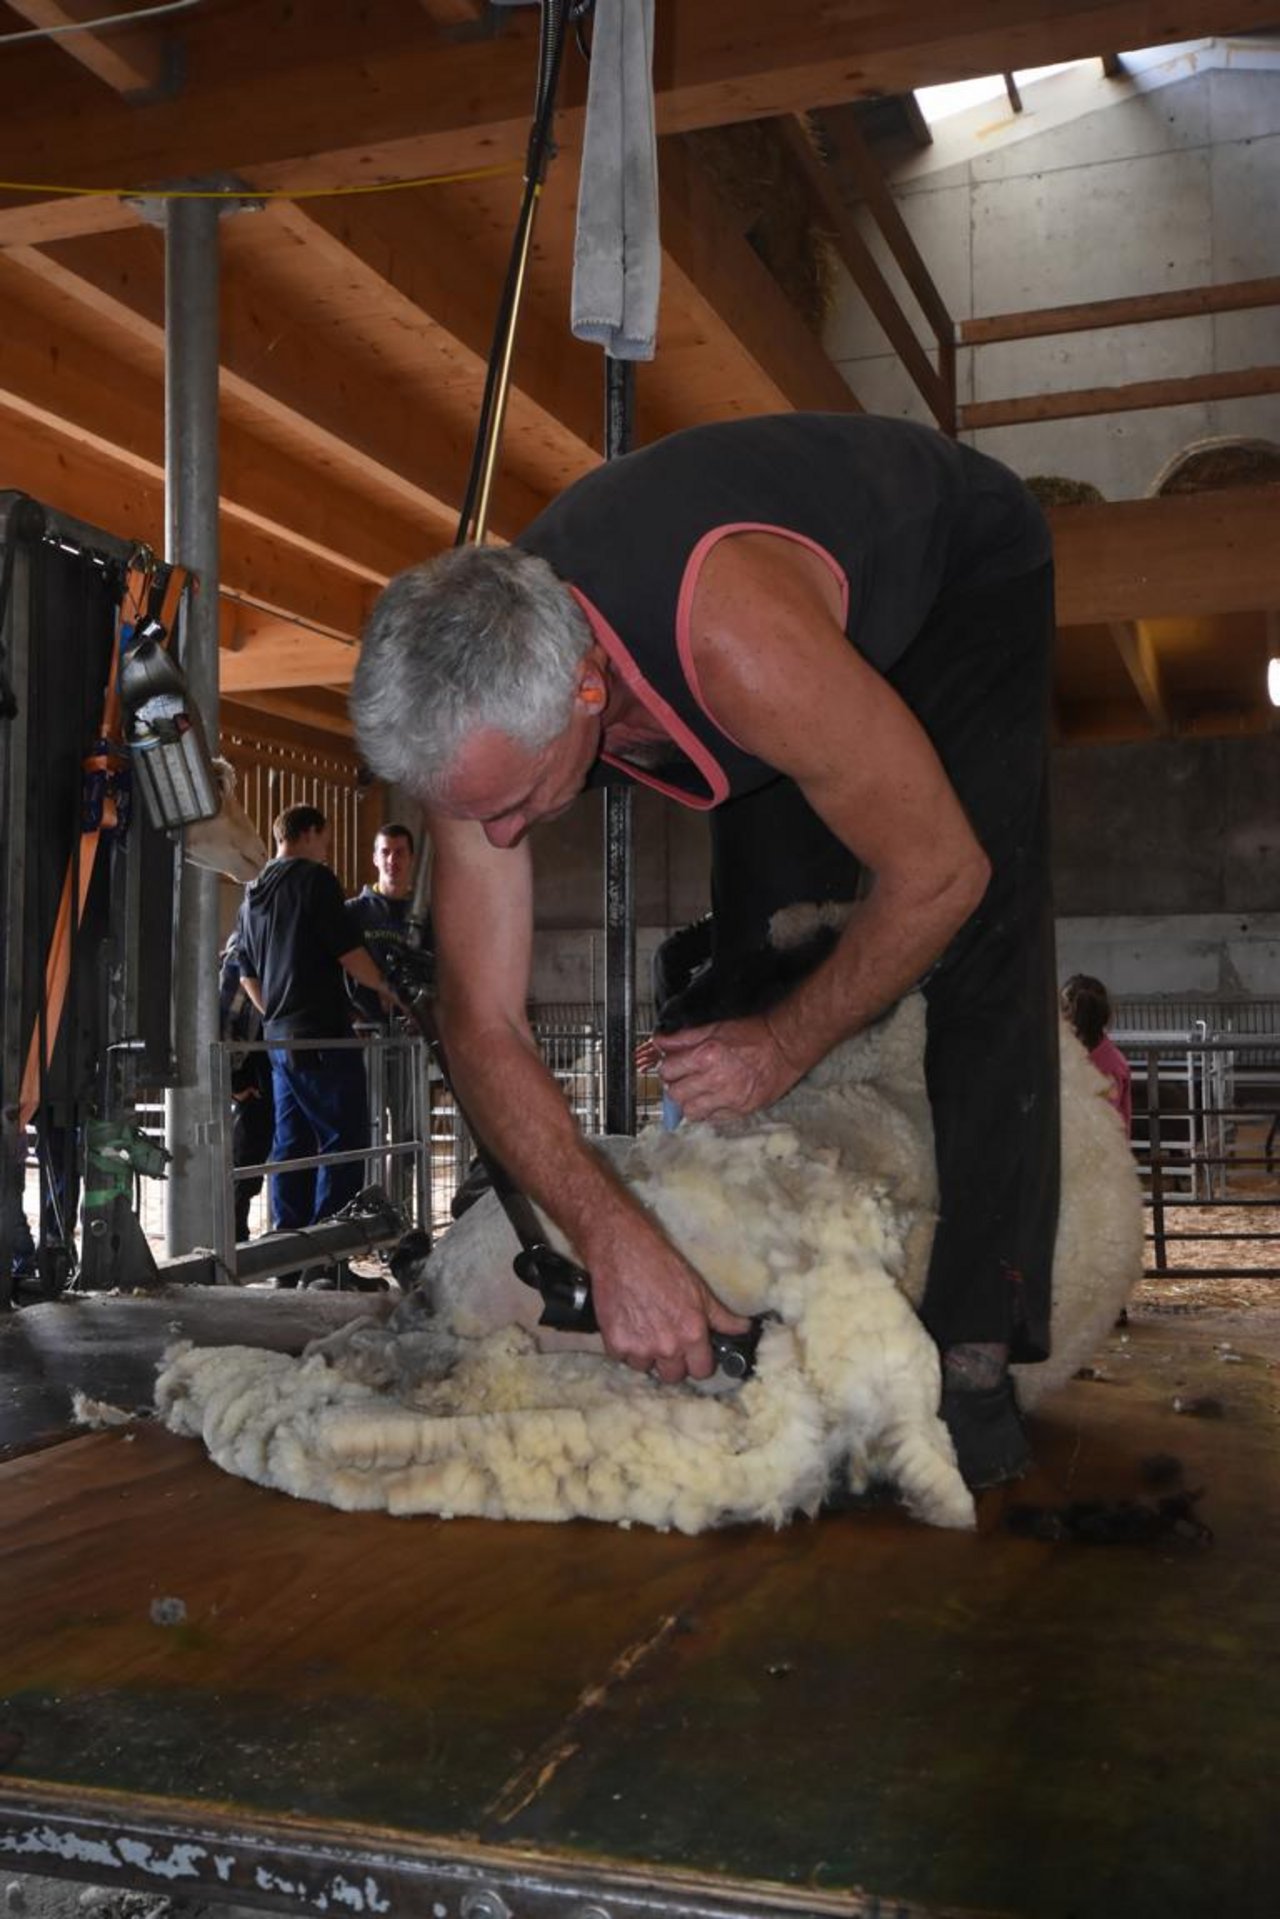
(671, 862)
(1167, 866)
(1168, 827)
(1098, 189)
(1176, 955)
(1166, 858)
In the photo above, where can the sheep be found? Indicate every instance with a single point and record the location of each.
(819, 1212)
(229, 842)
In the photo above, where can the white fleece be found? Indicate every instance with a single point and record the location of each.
(819, 1212)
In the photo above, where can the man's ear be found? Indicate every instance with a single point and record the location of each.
(593, 691)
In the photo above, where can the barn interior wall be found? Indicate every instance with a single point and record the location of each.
(1167, 866)
(1099, 189)
(1166, 873)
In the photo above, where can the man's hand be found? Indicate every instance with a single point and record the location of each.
(734, 1066)
(654, 1310)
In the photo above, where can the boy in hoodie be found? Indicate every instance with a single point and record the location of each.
(295, 941)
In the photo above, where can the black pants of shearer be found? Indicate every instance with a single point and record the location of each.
(977, 678)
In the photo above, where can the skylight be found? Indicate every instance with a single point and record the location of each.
(939, 103)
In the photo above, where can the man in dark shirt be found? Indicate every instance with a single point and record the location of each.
(295, 940)
(384, 908)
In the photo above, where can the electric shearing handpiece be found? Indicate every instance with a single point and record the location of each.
(564, 1285)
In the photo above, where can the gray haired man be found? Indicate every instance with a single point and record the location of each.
(833, 634)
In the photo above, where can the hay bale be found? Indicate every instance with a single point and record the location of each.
(1050, 490)
(1207, 466)
(753, 171)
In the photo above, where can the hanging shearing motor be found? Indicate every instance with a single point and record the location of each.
(165, 734)
(163, 729)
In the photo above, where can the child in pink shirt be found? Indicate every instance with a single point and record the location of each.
(1088, 1010)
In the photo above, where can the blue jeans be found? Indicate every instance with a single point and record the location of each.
(321, 1106)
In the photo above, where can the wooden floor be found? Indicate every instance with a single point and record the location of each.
(978, 1724)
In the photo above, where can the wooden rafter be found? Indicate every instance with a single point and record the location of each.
(430, 107)
(453, 13)
(422, 269)
(356, 424)
(1134, 644)
(96, 402)
(318, 708)
(129, 60)
(703, 244)
(1189, 554)
(865, 272)
(259, 653)
(854, 162)
(257, 571)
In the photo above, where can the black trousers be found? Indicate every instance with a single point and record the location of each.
(977, 678)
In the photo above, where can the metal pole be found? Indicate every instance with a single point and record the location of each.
(1155, 1148)
(224, 1239)
(21, 523)
(192, 1125)
(619, 874)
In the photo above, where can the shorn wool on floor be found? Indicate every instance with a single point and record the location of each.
(819, 1212)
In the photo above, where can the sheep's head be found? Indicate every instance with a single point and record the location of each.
(228, 842)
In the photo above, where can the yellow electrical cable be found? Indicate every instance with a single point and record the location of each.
(259, 193)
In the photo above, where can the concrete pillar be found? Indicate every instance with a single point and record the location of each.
(192, 1127)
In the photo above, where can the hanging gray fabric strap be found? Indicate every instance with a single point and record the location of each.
(617, 258)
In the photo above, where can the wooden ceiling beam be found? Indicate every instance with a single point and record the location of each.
(68, 383)
(259, 652)
(702, 243)
(864, 270)
(1134, 644)
(406, 109)
(355, 423)
(453, 13)
(130, 60)
(257, 735)
(320, 709)
(424, 266)
(1189, 554)
(258, 571)
(857, 164)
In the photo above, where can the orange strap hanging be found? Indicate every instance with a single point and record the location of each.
(100, 815)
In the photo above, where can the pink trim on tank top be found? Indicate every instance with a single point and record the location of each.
(688, 587)
(702, 759)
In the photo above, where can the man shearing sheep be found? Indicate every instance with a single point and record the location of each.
(832, 632)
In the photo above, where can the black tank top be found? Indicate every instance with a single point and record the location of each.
(899, 513)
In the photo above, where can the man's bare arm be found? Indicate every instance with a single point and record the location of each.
(362, 967)
(652, 1307)
(254, 990)
(779, 674)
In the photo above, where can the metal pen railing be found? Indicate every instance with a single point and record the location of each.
(1206, 1135)
(398, 1155)
(1204, 1132)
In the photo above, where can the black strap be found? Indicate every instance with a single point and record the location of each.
(24, 521)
